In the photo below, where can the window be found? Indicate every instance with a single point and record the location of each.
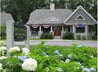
(80, 29)
(80, 17)
(68, 29)
(34, 31)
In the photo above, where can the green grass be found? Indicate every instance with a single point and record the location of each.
(39, 39)
(79, 40)
(32, 46)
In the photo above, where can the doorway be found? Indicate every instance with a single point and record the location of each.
(57, 31)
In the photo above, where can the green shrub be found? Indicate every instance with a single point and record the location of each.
(3, 32)
(84, 37)
(68, 35)
(69, 59)
(46, 36)
(78, 37)
(94, 37)
(3, 36)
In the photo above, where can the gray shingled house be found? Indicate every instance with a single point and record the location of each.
(60, 21)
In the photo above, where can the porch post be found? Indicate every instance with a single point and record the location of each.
(51, 30)
(86, 31)
(28, 36)
(74, 31)
(40, 31)
(62, 31)
(39, 28)
(10, 35)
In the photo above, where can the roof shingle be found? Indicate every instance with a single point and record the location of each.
(42, 16)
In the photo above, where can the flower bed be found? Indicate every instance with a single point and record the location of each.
(44, 58)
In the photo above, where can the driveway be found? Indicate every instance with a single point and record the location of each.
(59, 42)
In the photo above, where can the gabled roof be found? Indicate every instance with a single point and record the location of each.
(46, 16)
(80, 7)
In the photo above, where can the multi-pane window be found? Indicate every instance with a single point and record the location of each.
(80, 29)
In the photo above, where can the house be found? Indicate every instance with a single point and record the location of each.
(60, 21)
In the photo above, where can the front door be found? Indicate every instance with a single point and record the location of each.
(57, 31)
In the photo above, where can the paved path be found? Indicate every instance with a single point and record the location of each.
(59, 42)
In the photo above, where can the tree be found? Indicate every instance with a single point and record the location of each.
(21, 9)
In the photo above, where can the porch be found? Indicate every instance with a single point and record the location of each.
(58, 30)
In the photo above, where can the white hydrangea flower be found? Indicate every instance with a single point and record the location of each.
(60, 55)
(91, 56)
(47, 69)
(1, 66)
(85, 70)
(3, 57)
(47, 55)
(3, 48)
(29, 64)
(67, 60)
(14, 49)
(25, 51)
(61, 61)
(59, 69)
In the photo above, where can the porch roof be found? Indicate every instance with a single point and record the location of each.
(46, 16)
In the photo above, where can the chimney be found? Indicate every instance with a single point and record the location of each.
(52, 6)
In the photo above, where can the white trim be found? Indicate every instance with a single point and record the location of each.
(79, 7)
(82, 23)
(81, 16)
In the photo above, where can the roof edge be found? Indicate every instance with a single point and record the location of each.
(80, 7)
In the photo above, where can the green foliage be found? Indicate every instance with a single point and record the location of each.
(21, 10)
(68, 35)
(94, 37)
(83, 37)
(78, 37)
(52, 62)
(3, 32)
(46, 36)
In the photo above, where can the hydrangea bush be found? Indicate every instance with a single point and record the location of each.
(44, 58)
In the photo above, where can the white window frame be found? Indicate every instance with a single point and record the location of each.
(81, 16)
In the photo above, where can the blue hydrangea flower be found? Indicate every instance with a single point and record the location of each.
(79, 63)
(45, 44)
(70, 55)
(44, 53)
(79, 46)
(56, 52)
(79, 53)
(85, 70)
(22, 58)
(92, 69)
